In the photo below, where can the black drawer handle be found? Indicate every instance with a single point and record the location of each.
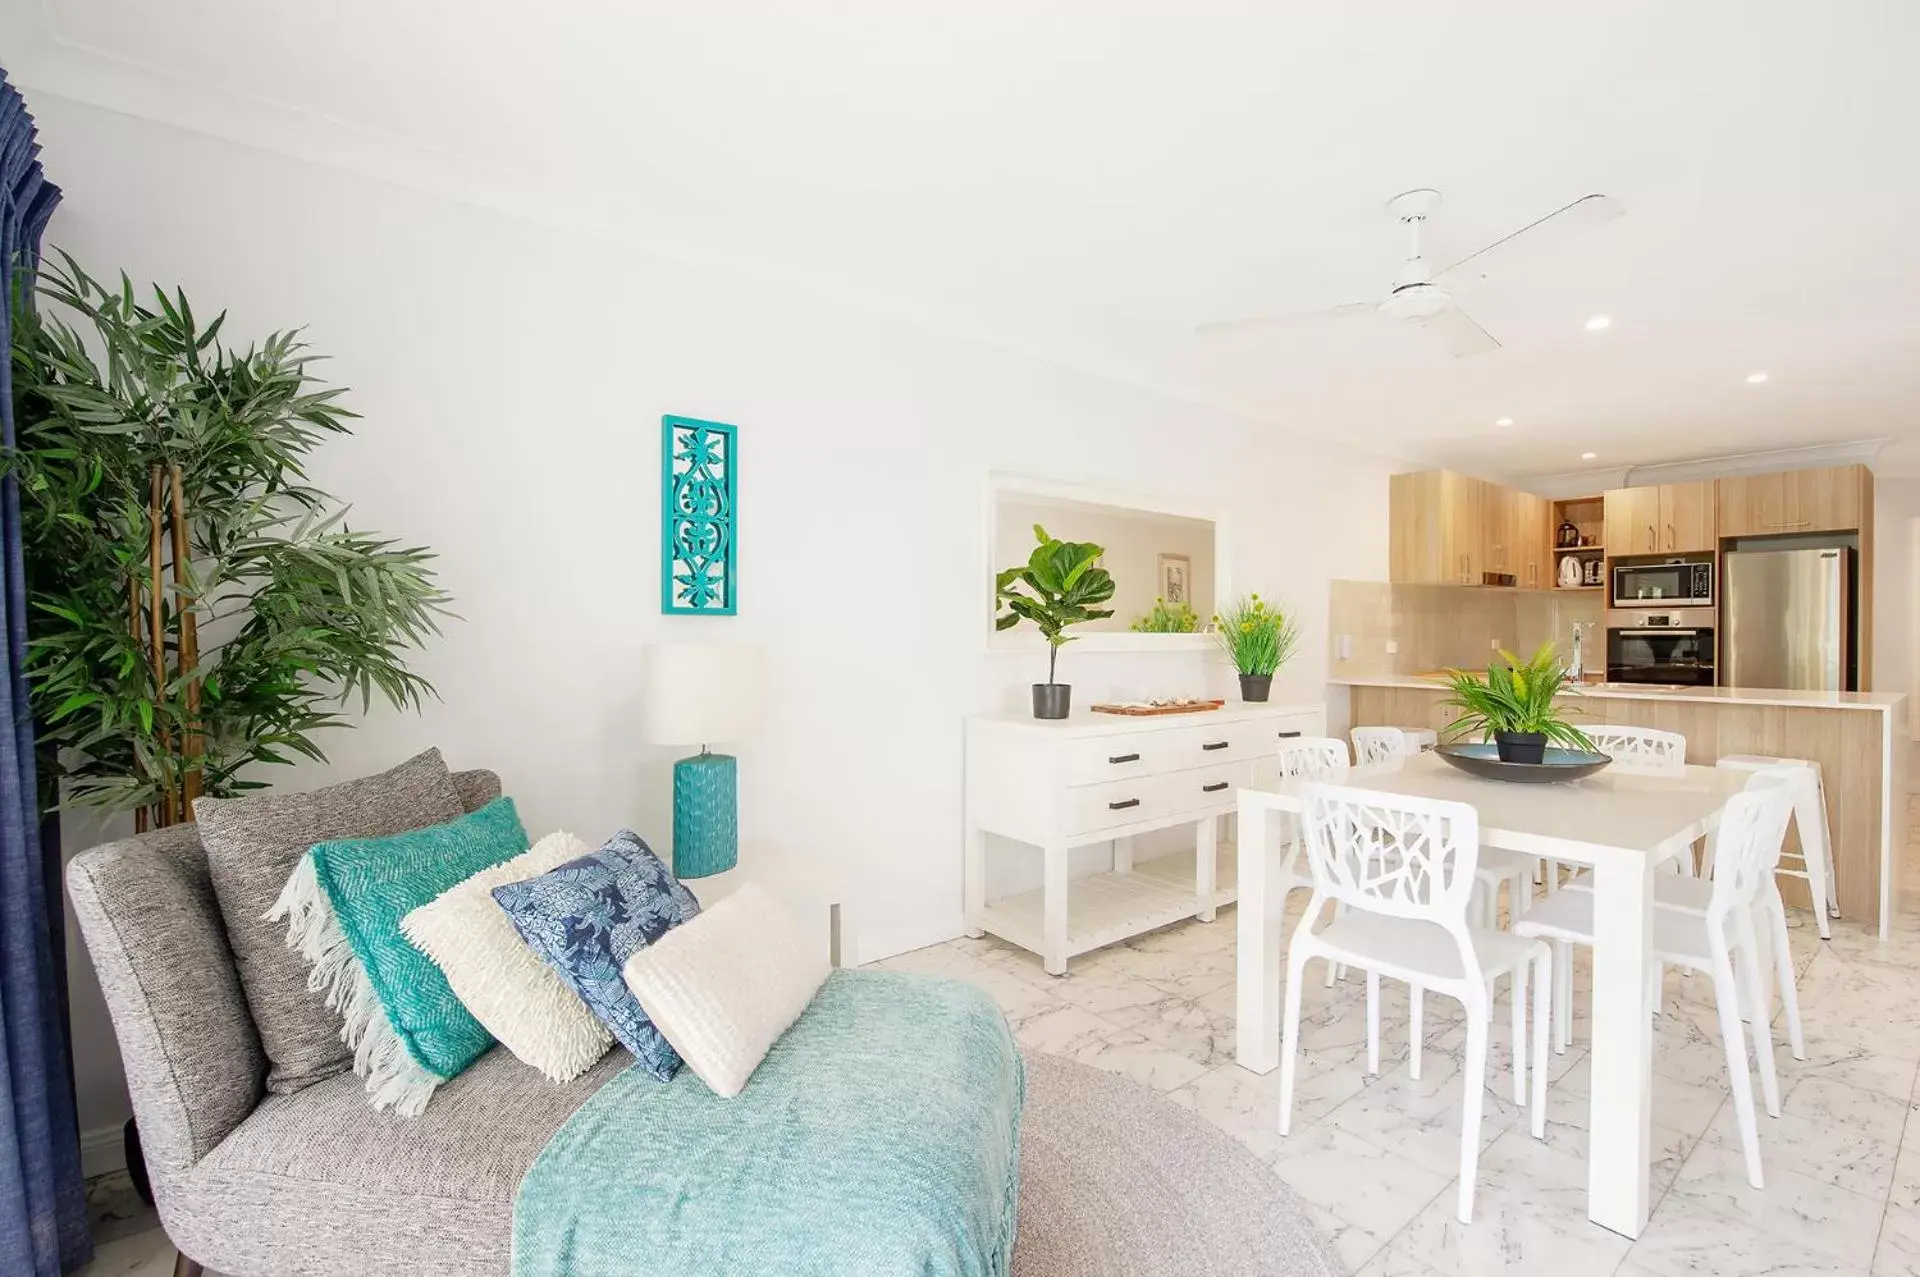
(1122, 806)
(1214, 788)
(1288, 735)
(1123, 758)
(1218, 744)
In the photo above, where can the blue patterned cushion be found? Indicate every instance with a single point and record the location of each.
(588, 916)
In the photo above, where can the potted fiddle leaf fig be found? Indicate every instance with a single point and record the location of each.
(1058, 586)
(1516, 705)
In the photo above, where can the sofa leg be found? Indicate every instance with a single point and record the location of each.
(184, 1267)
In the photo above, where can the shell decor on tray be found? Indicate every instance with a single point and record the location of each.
(1173, 705)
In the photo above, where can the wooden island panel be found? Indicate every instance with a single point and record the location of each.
(1850, 745)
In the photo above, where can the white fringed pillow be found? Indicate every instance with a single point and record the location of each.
(516, 997)
(724, 985)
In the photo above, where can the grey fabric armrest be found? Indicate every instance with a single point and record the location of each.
(476, 788)
(193, 1059)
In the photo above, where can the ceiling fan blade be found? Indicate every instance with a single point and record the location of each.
(1584, 213)
(1349, 310)
(1459, 333)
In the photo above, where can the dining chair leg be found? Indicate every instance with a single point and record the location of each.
(1563, 996)
(1373, 1023)
(1542, 1020)
(1783, 972)
(1517, 990)
(1474, 1080)
(1416, 1028)
(1289, 1042)
(1733, 1037)
(1748, 972)
(1810, 814)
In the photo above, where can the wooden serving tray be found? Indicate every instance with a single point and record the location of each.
(1155, 711)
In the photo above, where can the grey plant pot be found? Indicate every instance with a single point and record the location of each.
(1052, 700)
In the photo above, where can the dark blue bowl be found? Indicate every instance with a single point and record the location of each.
(1559, 764)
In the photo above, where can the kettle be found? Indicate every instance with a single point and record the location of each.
(1570, 572)
(1568, 536)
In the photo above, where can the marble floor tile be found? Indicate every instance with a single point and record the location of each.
(1529, 1217)
(1689, 1238)
(1843, 1158)
(1358, 1182)
(1131, 1055)
(1898, 1254)
(1420, 1120)
(1395, 1263)
(1058, 1029)
(1798, 1208)
(1905, 1192)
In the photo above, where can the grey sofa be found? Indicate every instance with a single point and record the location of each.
(258, 1185)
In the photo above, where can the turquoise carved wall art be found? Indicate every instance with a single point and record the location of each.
(699, 554)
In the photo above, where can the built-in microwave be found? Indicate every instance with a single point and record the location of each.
(1683, 580)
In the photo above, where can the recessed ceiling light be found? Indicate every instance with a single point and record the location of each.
(1588, 456)
(1755, 378)
(1598, 322)
(1503, 421)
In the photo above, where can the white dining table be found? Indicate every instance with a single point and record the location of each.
(1620, 822)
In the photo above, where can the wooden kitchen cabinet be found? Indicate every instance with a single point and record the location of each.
(1834, 499)
(1670, 518)
(1688, 518)
(1632, 521)
(1533, 539)
(1439, 533)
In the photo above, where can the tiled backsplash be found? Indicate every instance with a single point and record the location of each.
(1376, 629)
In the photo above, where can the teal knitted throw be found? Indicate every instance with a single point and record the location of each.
(879, 1136)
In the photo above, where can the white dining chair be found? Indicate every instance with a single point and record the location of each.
(1641, 749)
(1377, 744)
(1752, 829)
(1403, 867)
(1496, 866)
(1816, 835)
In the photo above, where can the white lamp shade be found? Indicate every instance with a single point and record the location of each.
(699, 693)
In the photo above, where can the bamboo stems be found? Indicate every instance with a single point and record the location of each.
(188, 646)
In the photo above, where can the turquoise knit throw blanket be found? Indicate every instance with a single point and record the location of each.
(879, 1136)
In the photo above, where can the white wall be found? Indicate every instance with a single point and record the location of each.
(1896, 504)
(512, 384)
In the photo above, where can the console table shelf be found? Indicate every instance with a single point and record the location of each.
(1101, 779)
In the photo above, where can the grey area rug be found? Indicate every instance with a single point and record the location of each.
(1116, 1179)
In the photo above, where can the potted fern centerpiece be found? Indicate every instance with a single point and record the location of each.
(1516, 706)
(1057, 586)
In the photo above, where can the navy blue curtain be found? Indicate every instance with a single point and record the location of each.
(43, 1201)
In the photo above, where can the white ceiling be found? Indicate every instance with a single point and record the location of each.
(1087, 179)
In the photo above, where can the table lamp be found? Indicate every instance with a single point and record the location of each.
(699, 694)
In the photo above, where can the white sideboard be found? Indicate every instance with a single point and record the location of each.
(1098, 778)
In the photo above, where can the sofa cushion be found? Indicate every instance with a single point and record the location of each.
(344, 903)
(588, 916)
(252, 845)
(509, 990)
(322, 1176)
(724, 986)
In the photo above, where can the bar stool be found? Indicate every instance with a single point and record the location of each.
(1816, 841)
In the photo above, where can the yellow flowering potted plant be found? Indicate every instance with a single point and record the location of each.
(1258, 638)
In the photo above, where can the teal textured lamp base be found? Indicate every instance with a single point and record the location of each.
(706, 815)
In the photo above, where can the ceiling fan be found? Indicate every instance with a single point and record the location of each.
(1421, 297)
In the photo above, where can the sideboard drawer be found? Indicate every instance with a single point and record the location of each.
(1104, 758)
(1205, 787)
(1119, 802)
(1217, 743)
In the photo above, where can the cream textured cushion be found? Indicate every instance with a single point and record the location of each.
(724, 985)
(515, 996)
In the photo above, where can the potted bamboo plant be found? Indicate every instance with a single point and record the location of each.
(1258, 639)
(1515, 705)
(1056, 587)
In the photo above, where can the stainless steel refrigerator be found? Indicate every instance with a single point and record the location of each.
(1787, 619)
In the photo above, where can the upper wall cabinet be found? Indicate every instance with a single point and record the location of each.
(1830, 500)
(1453, 529)
(1676, 518)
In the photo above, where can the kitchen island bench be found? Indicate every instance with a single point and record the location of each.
(1858, 738)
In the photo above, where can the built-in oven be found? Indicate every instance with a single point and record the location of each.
(1674, 580)
(1668, 647)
